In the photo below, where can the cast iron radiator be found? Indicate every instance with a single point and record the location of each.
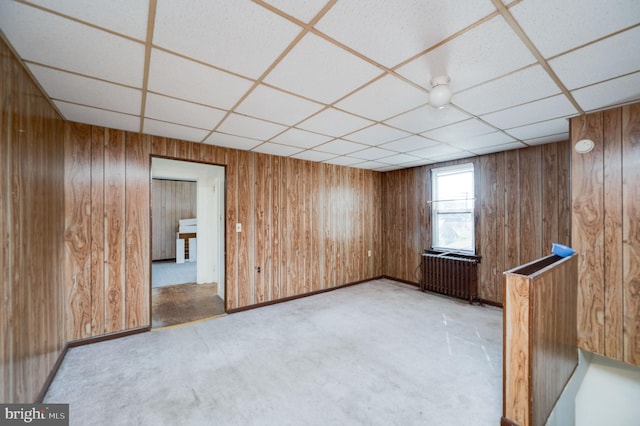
(453, 274)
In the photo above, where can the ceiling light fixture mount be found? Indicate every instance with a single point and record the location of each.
(440, 94)
(584, 145)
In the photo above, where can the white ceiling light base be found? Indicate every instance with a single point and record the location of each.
(440, 95)
(584, 145)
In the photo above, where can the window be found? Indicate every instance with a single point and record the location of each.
(452, 208)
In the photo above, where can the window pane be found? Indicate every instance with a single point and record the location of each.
(452, 207)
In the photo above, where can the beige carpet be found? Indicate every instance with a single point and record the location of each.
(378, 353)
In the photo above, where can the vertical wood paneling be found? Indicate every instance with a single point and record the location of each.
(114, 177)
(330, 226)
(531, 206)
(263, 244)
(78, 230)
(32, 257)
(246, 284)
(613, 268)
(276, 287)
(231, 273)
(631, 231)
(512, 209)
(587, 234)
(97, 215)
(137, 230)
(172, 200)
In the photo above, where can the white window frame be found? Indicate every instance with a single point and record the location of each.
(437, 201)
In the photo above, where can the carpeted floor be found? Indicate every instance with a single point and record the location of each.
(168, 272)
(178, 304)
(378, 353)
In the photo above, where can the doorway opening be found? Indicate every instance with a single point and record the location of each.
(187, 243)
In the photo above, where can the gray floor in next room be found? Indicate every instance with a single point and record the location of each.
(377, 353)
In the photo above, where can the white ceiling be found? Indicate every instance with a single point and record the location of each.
(343, 82)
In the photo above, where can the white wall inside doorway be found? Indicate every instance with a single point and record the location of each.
(210, 213)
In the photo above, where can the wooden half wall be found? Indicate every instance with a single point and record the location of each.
(307, 226)
(31, 232)
(606, 232)
(522, 206)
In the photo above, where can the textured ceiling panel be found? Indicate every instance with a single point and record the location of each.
(175, 131)
(482, 141)
(313, 156)
(411, 143)
(51, 40)
(485, 52)
(274, 105)
(498, 148)
(612, 92)
(334, 123)
(399, 97)
(128, 17)
(340, 147)
(188, 80)
(376, 135)
(372, 153)
(304, 10)
(389, 32)
(578, 69)
(460, 131)
(277, 149)
(231, 141)
(529, 84)
(98, 117)
(248, 127)
(427, 118)
(545, 128)
(557, 26)
(545, 109)
(301, 138)
(87, 91)
(180, 112)
(321, 71)
(239, 36)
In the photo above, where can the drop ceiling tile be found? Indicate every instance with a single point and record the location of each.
(398, 97)
(545, 109)
(427, 118)
(301, 138)
(391, 32)
(128, 17)
(242, 37)
(450, 157)
(372, 154)
(343, 161)
(518, 88)
(398, 159)
(248, 127)
(369, 165)
(276, 149)
(334, 123)
(557, 26)
(499, 148)
(320, 70)
(98, 117)
(389, 168)
(188, 80)
(376, 135)
(304, 10)
(418, 163)
(544, 128)
(274, 105)
(483, 53)
(51, 40)
(613, 92)
(87, 91)
(580, 68)
(459, 131)
(311, 155)
(411, 143)
(495, 138)
(548, 139)
(180, 112)
(175, 131)
(435, 151)
(340, 147)
(231, 141)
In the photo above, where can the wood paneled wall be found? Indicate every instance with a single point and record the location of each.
(606, 232)
(308, 226)
(171, 200)
(31, 230)
(522, 206)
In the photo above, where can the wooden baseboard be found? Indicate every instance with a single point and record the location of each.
(299, 296)
(75, 343)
